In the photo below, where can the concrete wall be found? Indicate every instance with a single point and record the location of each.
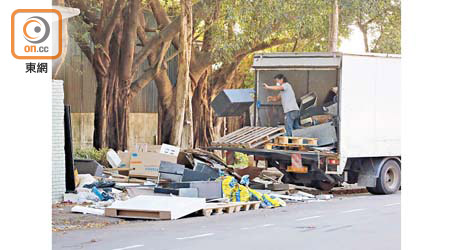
(143, 129)
(58, 157)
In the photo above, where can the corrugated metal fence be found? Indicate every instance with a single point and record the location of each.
(80, 83)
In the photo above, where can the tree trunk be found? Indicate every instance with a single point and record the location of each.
(167, 114)
(107, 80)
(334, 28)
(201, 111)
(363, 29)
(366, 41)
(183, 80)
(187, 139)
(113, 67)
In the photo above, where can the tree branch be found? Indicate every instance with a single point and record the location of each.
(162, 19)
(171, 57)
(162, 54)
(85, 48)
(142, 81)
(112, 22)
(128, 43)
(88, 16)
(263, 45)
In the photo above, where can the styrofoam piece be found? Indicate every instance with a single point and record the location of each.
(113, 158)
(87, 210)
(305, 194)
(176, 206)
(289, 197)
(324, 196)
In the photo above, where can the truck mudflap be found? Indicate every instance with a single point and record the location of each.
(370, 170)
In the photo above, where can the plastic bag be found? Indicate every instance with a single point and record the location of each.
(229, 186)
(242, 194)
(275, 202)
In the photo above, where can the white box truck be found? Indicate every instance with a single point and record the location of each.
(366, 122)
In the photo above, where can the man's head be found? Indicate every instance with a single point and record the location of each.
(280, 78)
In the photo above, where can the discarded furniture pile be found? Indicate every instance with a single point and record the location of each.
(165, 183)
(319, 121)
(317, 132)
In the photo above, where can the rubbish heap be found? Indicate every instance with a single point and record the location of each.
(164, 182)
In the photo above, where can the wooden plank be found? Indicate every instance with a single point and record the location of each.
(270, 138)
(234, 134)
(272, 132)
(249, 136)
(257, 134)
(261, 136)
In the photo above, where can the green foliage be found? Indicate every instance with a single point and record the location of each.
(381, 20)
(241, 160)
(92, 154)
(245, 24)
(388, 33)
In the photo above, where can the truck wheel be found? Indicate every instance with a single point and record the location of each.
(389, 180)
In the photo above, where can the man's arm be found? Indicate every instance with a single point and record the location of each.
(273, 98)
(273, 87)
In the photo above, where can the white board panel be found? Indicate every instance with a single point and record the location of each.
(177, 206)
(370, 102)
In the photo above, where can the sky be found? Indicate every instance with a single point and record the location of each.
(354, 44)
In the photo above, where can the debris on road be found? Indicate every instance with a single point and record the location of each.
(167, 183)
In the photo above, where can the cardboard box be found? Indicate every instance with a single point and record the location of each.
(146, 164)
(141, 147)
(169, 149)
(125, 158)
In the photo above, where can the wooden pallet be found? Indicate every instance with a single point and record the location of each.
(137, 214)
(249, 137)
(231, 207)
(296, 141)
(286, 147)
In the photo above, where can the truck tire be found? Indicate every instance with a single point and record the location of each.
(390, 179)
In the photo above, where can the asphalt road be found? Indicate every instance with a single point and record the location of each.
(355, 222)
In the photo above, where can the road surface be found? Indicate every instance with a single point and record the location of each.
(353, 222)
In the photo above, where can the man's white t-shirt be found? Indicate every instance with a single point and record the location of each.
(288, 98)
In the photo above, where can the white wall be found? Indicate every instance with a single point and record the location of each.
(58, 156)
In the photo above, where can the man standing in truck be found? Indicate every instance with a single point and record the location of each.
(288, 101)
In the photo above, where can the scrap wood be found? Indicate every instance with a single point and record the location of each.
(253, 172)
(115, 169)
(123, 180)
(187, 157)
(205, 156)
(278, 187)
(272, 174)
